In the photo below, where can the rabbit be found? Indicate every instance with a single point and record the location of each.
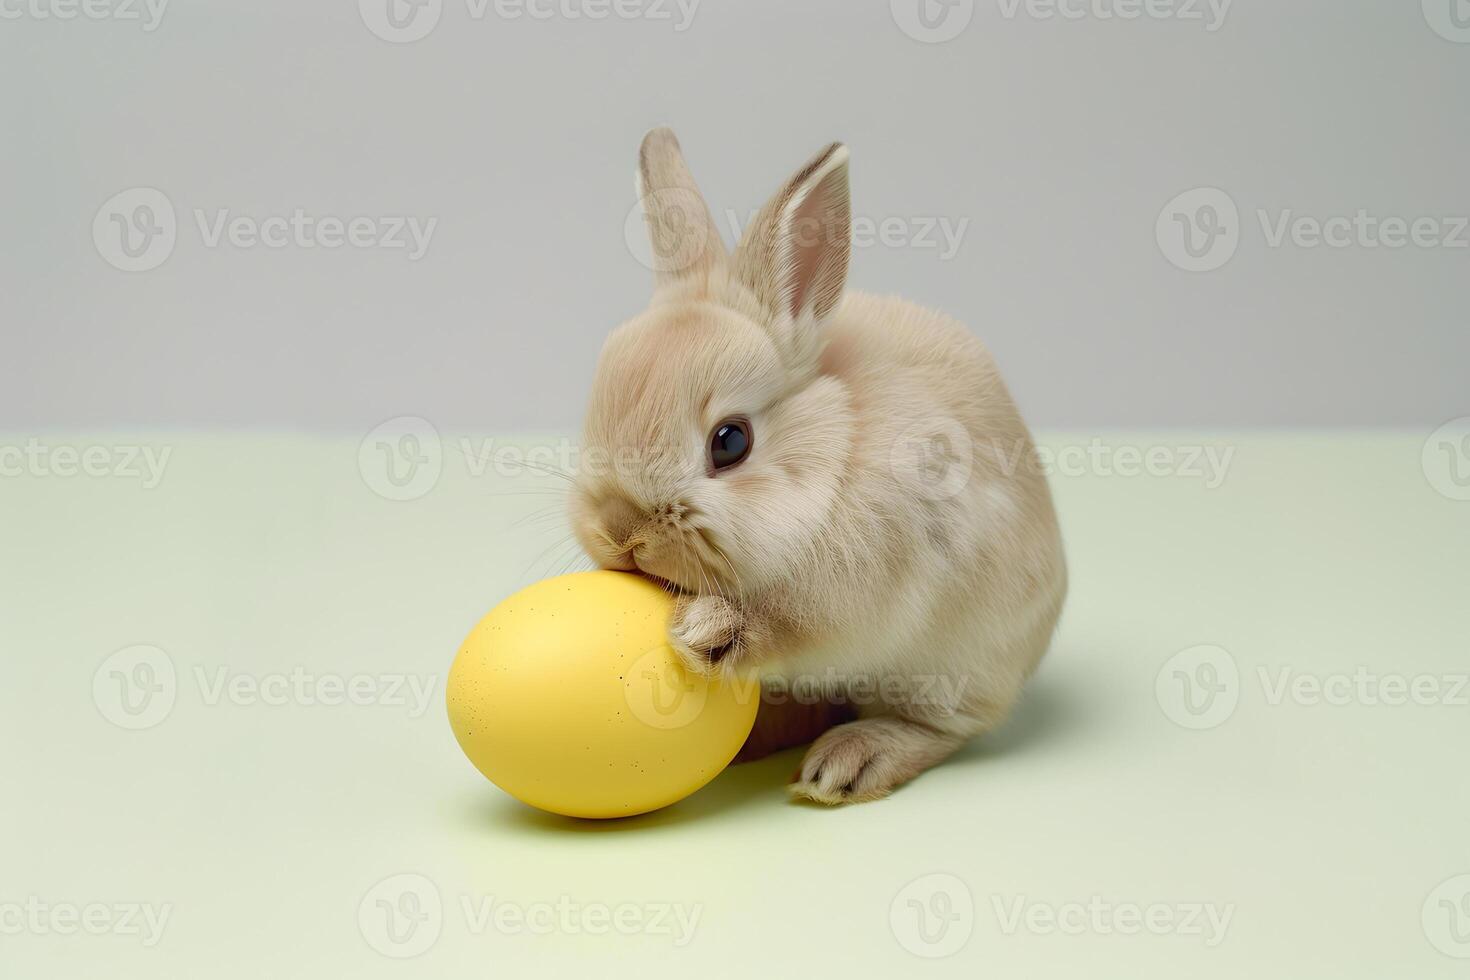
(836, 487)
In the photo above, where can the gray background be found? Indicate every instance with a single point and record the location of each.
(1059, 142)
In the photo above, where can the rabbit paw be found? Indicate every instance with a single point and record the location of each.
(707, 632)
(867, 759)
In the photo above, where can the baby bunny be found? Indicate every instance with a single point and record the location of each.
(836, 487)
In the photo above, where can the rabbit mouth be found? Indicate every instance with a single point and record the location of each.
(671, 579)
(667, 584)
(661, 582)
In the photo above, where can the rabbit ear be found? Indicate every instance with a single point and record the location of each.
(686, 243)
(794, 255)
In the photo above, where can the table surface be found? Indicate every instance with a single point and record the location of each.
(1245, 754)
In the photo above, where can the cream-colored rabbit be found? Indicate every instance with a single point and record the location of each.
(838, 487)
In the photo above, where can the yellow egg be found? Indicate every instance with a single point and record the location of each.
(569, 697)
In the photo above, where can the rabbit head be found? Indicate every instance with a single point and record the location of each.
(714, 448)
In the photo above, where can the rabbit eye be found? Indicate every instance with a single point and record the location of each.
(729, 443)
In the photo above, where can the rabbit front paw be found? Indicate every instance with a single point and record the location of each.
(708, 632)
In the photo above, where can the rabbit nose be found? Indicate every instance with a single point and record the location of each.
(621, 520)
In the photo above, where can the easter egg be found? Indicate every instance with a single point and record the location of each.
(568, 696)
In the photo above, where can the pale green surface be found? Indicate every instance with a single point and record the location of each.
(1326, 827)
